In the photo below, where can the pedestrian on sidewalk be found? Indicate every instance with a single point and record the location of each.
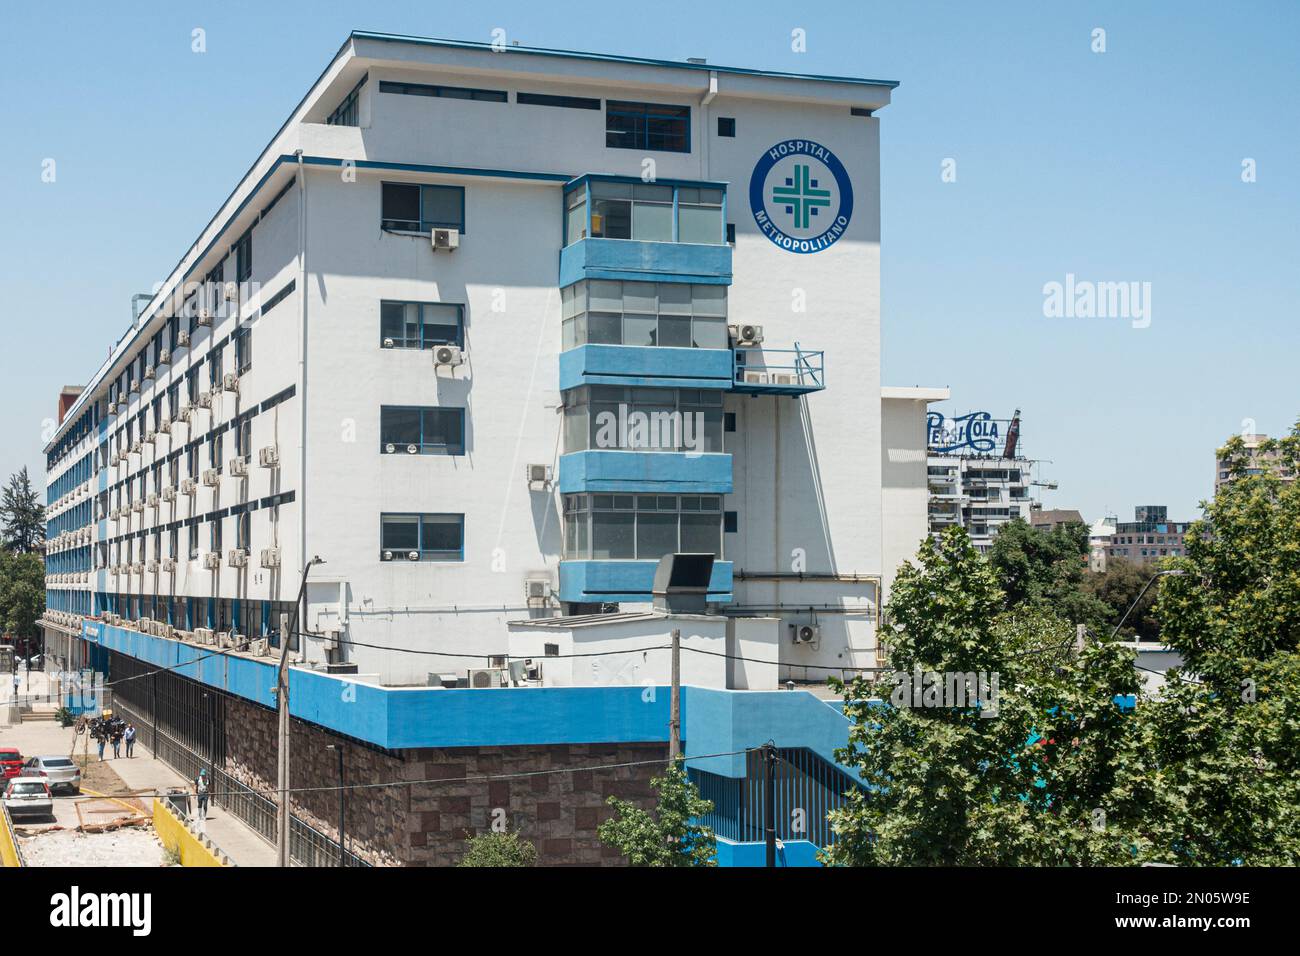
(129, 737)
(100, 739)
(201, 792)
(117, 742)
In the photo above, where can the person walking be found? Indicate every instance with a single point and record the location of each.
(99, 737)
(201, 792)
(117, 742)
(129, 737)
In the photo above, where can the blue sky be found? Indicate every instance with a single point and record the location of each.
(1117, 166)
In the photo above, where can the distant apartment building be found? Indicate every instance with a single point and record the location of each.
(1099, 536)
(1149, 537)
(1259, 462)
(1046, 519)
(977, 476)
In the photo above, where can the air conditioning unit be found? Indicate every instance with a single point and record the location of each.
(187, 413)
(449, 355)
(169, 565)
(153, 501)
(539, 474)
(169, 494)
(189, 487)
(204, 317)
(182, 340)
(269, 457)
(270, 557)
(232, 292)
(484, 677)
(238, 558)
(135, 386)
(165, 424)
(783, 378)
(747, 334)
(230, 382)
(225, 639)
(164, 356)
(212, 560)
(144, 625)
(148, 372)
(203, 635)
(205, 400)
(260, 647)
(211, 477)
(756, 378)
(151, 566)
(137, 447)
(239, 467)
(447, 239)
(150, 436)
(138, 506)
(806, 633)
(137, 568)
(537, 589)
(112, 408)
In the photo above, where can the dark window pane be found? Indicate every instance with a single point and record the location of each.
(656, 534)
(442, 325)
(442, 533)
(401, 202)
(702, 533)
(612, 535)
(400, 533)
(442, 206)
(400, 426)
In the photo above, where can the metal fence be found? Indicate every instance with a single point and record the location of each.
(807, 789)
(307, 845)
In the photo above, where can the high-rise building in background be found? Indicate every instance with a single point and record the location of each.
(1149, 537)
(1258, 462)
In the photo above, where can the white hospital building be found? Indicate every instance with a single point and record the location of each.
(490, 331)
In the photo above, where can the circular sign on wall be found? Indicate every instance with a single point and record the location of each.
(801, 196)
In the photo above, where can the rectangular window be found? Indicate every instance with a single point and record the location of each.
(243, 349)
(244, 257)
(726, 126)
(643, 419)
(672, 314)
(443, 92)
(242, 524)
(214, 452)
(648, 212)
(347, 113)
(215, 367)
(641, 527)
(214, 536)
(412, 207)
(652, 126)
(431, 537)
(421, 325)
(568, 102)
(425, 431)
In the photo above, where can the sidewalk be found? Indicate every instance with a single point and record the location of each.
(142, 772)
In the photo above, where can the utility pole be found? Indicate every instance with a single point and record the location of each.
(675, 702)
(769, 801)
(288, 627)
(282, 748)
(338, 748)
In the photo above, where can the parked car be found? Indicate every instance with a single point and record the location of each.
(11, 764)
(59, 772)
(28, 796)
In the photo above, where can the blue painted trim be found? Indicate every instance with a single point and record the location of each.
(599, 580)
(659, 472)
(646, 366)
(615, 58)
(637, 260)
(586, 178)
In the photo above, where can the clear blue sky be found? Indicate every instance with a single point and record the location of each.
(1119, 166)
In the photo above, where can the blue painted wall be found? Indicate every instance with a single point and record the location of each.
(628, 580)
(645, 261)
(649, 366)
(649, 471)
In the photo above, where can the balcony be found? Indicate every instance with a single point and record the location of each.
(759, 371)
(645, 261)
(653, 367)
(589, 581)
(663, 472)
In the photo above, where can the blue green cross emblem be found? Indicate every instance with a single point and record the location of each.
(800, 196)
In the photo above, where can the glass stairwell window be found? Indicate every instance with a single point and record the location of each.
(663, 314)
(646, 212)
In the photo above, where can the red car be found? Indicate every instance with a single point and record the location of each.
(11, 764)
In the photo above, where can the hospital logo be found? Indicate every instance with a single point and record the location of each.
(801, 196)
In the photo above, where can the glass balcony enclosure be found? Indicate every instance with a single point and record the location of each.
(666, 314)
(640, 527)
(648, 212)
(643, 419)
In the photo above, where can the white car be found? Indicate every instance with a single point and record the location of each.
(58, 772)
(28, 796)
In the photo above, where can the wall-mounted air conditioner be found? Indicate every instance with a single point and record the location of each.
(806, 633)
(448, 355)
(269, 457)
(485, 677)
(230, 382)
(182, 340)
(270, 557)
(747, 335)
(238, 558)
(538, 474)
(445, 239)
(239, 467)
(189, 487)
(211, 478)
(212, 561)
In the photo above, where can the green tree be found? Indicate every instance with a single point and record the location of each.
(499, 849)
(1046, 569)
(22, 516)
(22, 593)
(1036, 774)
(669, 837)
(1118, 588)
(1225, 733)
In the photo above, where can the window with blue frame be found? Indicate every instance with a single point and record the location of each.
(663, 314)
(421, 325)
(431, 537)
(429, 431)
(652, 126)
(416, 207)
(243, 349)
(646, 212)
